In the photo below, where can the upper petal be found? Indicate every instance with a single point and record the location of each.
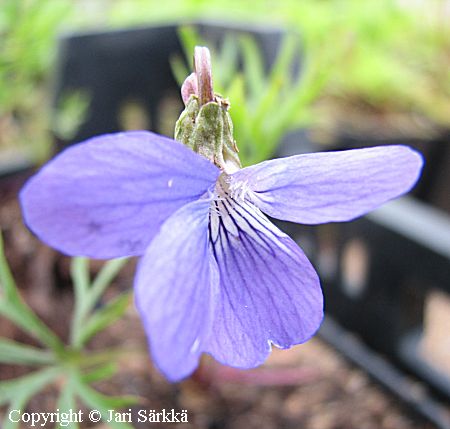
(269, 291)
(176, 290)
(330, 186)
(107, 197)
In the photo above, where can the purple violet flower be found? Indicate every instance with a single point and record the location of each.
(215, 275)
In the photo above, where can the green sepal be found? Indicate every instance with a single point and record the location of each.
(208, 130)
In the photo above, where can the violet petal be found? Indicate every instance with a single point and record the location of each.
(176, 289)
(107, 197)
(330, 186)
(269, 291)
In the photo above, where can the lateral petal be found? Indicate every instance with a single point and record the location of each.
(330, 186)
(269, 291)
(107, 197)
(176, 290)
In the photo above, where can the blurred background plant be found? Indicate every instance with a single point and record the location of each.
(28, 34)
(386, 58)
(389, 56)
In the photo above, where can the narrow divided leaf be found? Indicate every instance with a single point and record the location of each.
(23, 388)
(104, 317)
(12, 352)
(15, 309)
(66, 403)
(103, 403)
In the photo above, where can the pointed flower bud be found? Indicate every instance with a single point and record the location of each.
(205, 124)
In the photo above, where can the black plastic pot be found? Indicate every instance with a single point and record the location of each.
(381, 269)
(115, 67)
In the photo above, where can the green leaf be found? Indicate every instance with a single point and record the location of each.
(7, 283)
(277, 80)
(100, 373)
(253, 67)
(15, 353)
(67, 402)
(18, 403)
(23, 388)
(179, 69)
(19, 313)
(103, 403)
(225, 64)
(104, 317)
(104, 278)
(93, 398)
(15, 309)
(70, 114)
(189, 40)
(87, 296)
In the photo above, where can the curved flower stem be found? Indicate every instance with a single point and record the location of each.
(202, 66)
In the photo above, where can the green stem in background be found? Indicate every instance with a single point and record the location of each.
(87, 295)
(79, 270)
(104, 278)
(103, 317)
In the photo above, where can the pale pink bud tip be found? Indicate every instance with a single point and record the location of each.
(202, 65)
(189, 87)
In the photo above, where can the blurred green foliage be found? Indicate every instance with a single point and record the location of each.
(382, 56)
(393, 54)
(28, 38)
(28, 29)
(397, 58)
